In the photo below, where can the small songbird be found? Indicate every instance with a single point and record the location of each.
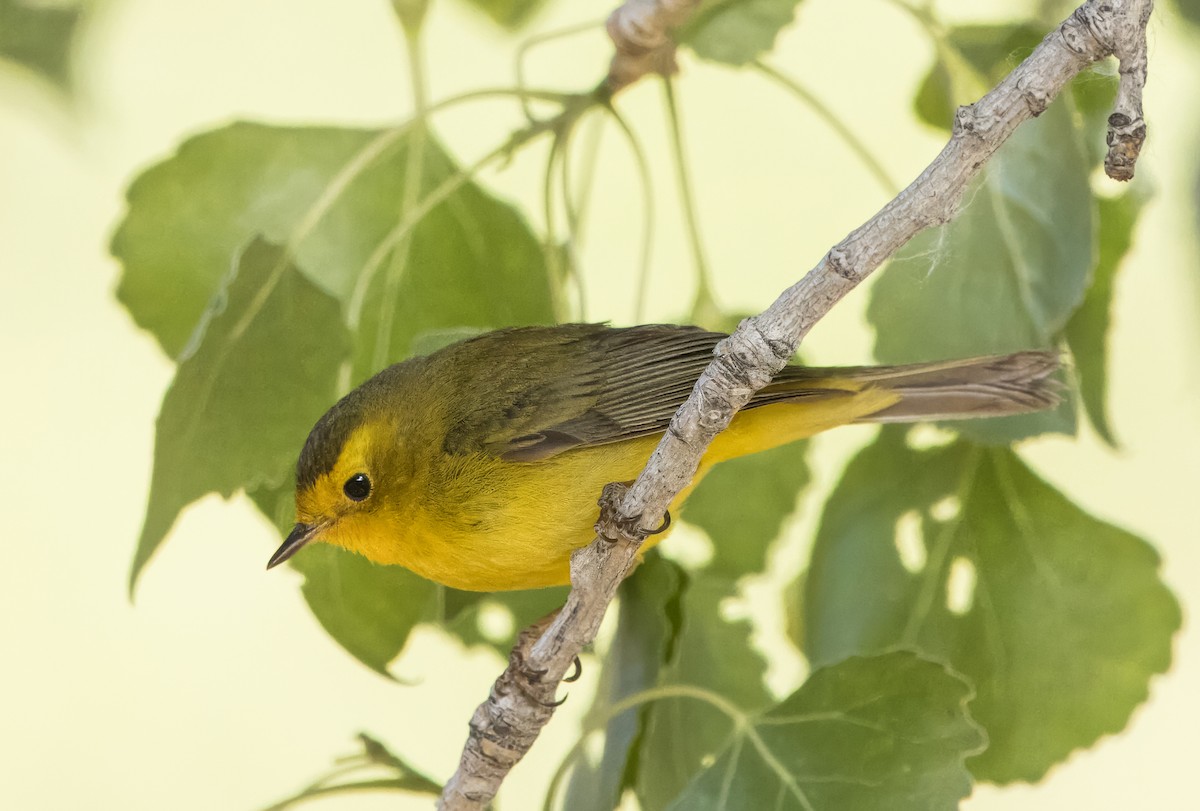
(479, 466)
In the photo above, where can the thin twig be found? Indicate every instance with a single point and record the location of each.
(642, 164)
(522, 699)
(703, 301)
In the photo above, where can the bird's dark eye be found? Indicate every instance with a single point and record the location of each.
(357, 487)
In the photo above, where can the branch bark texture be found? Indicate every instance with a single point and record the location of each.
(523, 698)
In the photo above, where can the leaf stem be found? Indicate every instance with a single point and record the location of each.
(969, 83)
(541, 39)
(554, 267)
(643, 170)
(703, 303)
(575, 206)
(413, 180)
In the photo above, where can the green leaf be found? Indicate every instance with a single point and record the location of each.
(713, 652)
(1093, 92)
(991, 51)
(39, 37)
(1059, 619)
(735, 31)
(887, 732)
(706, 649)
(334, 195)
(1087, 331)
(647, 623)
(257, 373)
(368, 609)
(510, 14)
(765, 487)
(473, 264)
(1189, 10)
(1006, 274)
(191, 213)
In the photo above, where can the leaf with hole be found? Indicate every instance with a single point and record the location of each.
(465, 614)
(1059, 619)
(766, 487)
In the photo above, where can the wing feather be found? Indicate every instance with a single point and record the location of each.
(580, 385)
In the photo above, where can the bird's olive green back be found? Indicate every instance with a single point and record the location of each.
(532, 392)
(529, 393)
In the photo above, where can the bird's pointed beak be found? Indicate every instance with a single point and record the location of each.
(300, 535)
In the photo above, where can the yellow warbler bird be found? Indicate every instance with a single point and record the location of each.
(479, 466)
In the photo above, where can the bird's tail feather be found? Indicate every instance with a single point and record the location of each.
(993, 386)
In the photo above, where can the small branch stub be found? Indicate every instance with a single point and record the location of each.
(641, 34)
(1126, 128)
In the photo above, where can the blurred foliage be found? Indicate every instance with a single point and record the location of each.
(511, 14)
(736, 32)
(971, 58)
(1189, 10)
(953, 598)
(39, 36)
(402, 776)
(1087, 331)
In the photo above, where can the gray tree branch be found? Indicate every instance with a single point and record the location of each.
(522, 699)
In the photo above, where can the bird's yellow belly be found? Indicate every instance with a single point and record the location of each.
(518, 530)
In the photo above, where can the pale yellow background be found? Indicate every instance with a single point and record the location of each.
(218, 690)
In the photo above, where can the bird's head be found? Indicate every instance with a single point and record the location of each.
(346, 478)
